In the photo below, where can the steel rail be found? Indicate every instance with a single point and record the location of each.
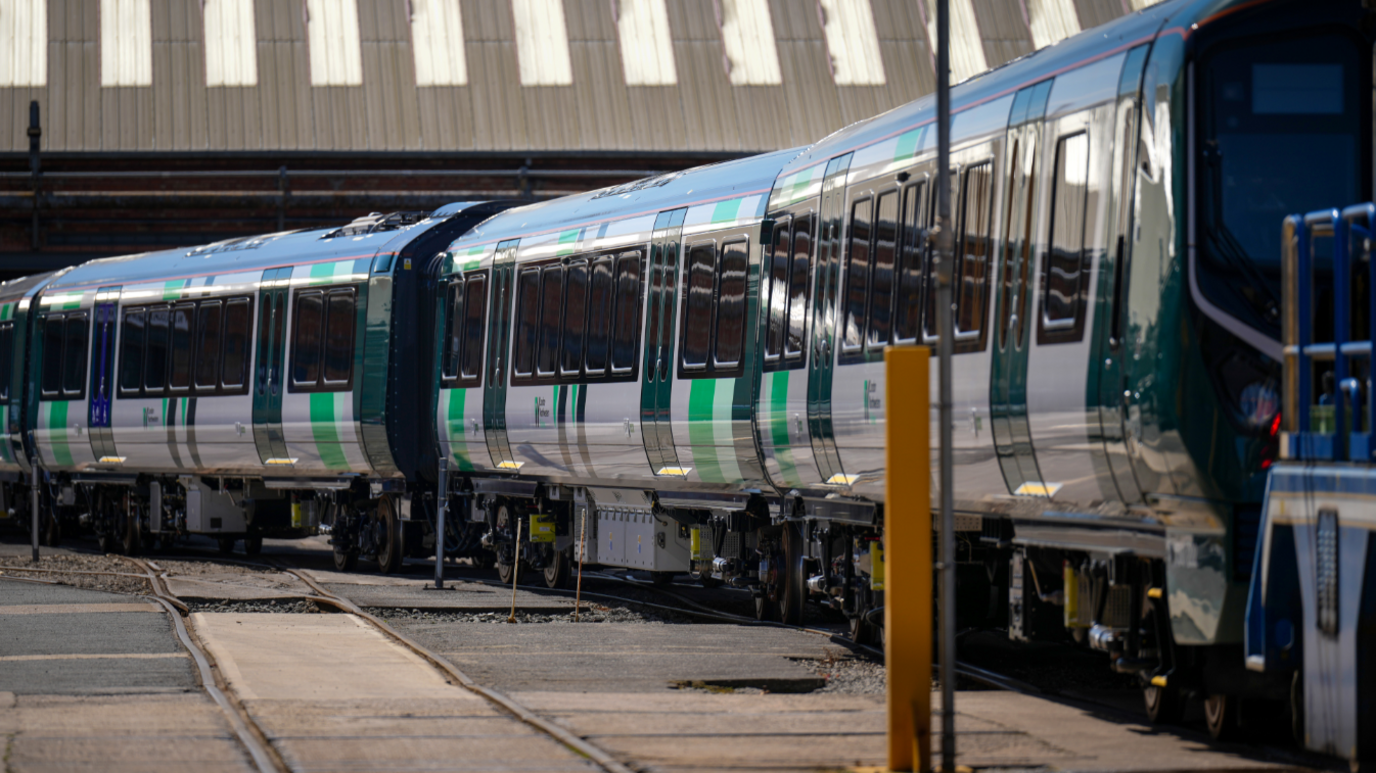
(245, 729)
(574, 742)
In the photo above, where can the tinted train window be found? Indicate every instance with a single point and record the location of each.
(527, 321)
(155, 361)
(575, 319)
(908, 306)
(972, 266)
(131, 351)
(627, 315)
(857, 275)
(181, 346)
(52, 357)
(735, 269)
(322, 356)
(774, 291)
(453, 342)
(697, 318)
(475, 308)
(551, 298)
(882, 272)
(798, 289)
(234, 364)
(599, 316)
(6, 359)
(208, 318)
(64, 355)
(1064, 267)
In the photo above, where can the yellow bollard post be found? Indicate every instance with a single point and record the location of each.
(908, 564)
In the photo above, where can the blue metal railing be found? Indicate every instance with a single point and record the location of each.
(1344, 437)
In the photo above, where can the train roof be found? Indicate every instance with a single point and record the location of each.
(1083, 49)
(364, 237)
(699, 185)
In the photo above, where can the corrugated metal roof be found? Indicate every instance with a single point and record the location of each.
(728, 94)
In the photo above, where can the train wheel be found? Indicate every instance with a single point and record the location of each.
(557, 571)
(345, 560)
(253, 544)
(1165, 705)
(1221, 715)
(766, 609)
(389, 548)
(793, 584)
(504, 525)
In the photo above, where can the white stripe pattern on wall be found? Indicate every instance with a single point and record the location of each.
(231, 45)
(333, 39)
(853, 42)
(1052, 21)
(542, 43)
(967, 47)
(437, 41)
(23, 43)
(126, 43)
(647, 48)
(747, 33)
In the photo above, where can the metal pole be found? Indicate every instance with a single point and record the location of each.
(35, 171)
(583, 551)
(33, 490)
(441, 509)
(515, 572)
(945, 263)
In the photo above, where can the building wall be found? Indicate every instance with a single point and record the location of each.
(494, 111)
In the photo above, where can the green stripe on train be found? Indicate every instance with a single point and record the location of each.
(325, 428)
(778, 427)
(454, 429)
(57, 432)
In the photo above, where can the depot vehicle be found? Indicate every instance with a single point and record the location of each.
(684, 374)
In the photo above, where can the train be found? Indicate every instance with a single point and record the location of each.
(684, 374)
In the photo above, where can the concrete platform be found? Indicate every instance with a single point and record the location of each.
(98, 681)
(332, 693)
(238, 586)
(466, 597)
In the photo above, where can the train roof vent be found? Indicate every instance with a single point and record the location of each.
(374, 222)
(232, 245)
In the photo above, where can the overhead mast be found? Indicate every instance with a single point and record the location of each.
(945, 260)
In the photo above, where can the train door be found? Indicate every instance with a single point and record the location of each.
(63, 352)
(269, 376)
(1111, 318)
(1014, 310)
(103, 375)
(498, 347)
(656, 427)
(823, 329)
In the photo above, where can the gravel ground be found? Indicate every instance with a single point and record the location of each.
(84, 563)
(194, 568)
(271, 606)
(592, 613)
(848, 675)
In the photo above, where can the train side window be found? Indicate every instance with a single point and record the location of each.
(77, 332)
(208, 333)
(305, 350)
(626, 321)
(857, 275)
(929, 324)
(234, 363)
(475, 308)
(731, 290)
(131, 350)
(527, 321)
(975, 249)
(908, 304)
(698, 291)
(6, 359)
(881, 272)
(155, 361)
(774, 291)
(798, 289)
(551, 298)
(575, 319)
(1063, 275)
(599, 317)
(340, 314)
(453, 340)
(180, 378)
(52, 357)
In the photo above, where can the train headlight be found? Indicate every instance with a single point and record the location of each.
(1259, 403)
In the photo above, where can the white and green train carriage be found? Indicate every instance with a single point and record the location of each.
(237, 390)
(688, 370)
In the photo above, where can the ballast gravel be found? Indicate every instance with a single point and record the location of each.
(54, 566)
(848, 675)
(271, 606)
(591, 613)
